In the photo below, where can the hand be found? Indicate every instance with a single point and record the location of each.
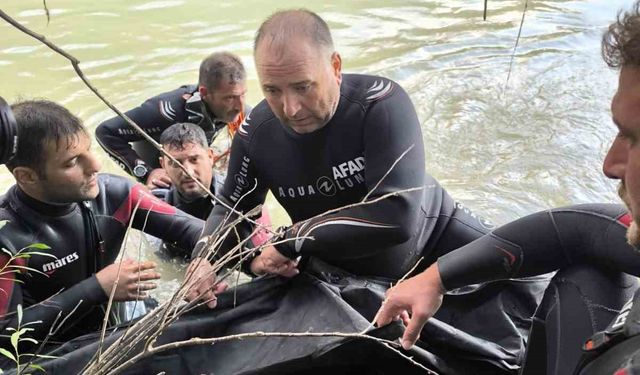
(132, 280)
(203, 284)
(270, 261)
(421, 296)
(158, 178)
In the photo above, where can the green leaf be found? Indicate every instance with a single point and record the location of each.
(30, 323)
(7, 354)
(41, 254)
(14, 340)
(19, 314)
(29, 339)
(40, 246)
(37, 367)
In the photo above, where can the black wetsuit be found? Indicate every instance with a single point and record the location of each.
(183, 104)
(341, 164)
(84, 237)
(199, 208)
(587, 244)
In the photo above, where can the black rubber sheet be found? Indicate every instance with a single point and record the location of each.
(479, 331)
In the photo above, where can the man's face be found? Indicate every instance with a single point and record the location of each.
(623, 159)
(226, 101)
(70, 171)
(198, 161)
(301, 83)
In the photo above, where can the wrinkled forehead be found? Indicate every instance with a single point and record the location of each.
(64, 145)
(187, 149)
(287, 50)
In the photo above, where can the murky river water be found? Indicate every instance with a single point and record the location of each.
(503, 150)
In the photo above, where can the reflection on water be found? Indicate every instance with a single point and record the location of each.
(504, 152)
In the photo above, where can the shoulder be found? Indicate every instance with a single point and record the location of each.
(260, 117)
(171, 104)
(111, 184)
(366, 90)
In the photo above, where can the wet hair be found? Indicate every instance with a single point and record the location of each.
(40, 122)
(283, 25)
(179, 135)
(621, 42)
(220, 66)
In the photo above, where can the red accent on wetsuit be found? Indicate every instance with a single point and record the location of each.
(625, 219)
(147, 202)
(6, 284)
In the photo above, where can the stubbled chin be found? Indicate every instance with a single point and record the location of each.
(633, 232)
(633, 235)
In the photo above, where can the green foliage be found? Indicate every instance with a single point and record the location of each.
(19, 335)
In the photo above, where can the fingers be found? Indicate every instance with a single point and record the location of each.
(412, 333)
(388, 311)
(404, 316)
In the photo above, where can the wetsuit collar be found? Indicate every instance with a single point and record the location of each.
(42, 207)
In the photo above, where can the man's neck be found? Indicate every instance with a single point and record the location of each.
(37, 203)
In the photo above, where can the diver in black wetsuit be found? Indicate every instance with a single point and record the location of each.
(216, 103)
(586, 243)
(81, 217)
(322, 140)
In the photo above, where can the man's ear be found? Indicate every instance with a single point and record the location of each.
(25, 176)
(336, 66)
(211, 154)
(203, 91)
(161, 160)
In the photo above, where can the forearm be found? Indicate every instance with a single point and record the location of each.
(57, 313)
(543, 242)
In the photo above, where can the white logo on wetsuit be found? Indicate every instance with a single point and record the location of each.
(240, 179)
(241, 129)
(345, 176)
(52, 266)
(379, 90)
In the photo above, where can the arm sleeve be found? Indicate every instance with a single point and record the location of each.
(157, 217)
(543, 242)
(115, 134)
(391, 127)
(242, 189)
(85, 295)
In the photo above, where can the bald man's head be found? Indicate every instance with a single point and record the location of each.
(283, 26)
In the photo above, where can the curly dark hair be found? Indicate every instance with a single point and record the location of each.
(621, 42)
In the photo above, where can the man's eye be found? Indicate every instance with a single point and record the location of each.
(303, 89)
(72, 163)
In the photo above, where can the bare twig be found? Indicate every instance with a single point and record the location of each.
(46, 11)
(515, 47)
(387, 172)
(484, 13)
(259, 334)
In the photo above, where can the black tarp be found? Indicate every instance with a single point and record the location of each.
(488, 339)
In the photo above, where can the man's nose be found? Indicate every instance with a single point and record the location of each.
(615, 162)
(291, 105)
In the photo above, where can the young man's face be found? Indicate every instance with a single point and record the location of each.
(226, 101)
(70, 171)
(198, 161)
(301, 83)
(623, 159)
